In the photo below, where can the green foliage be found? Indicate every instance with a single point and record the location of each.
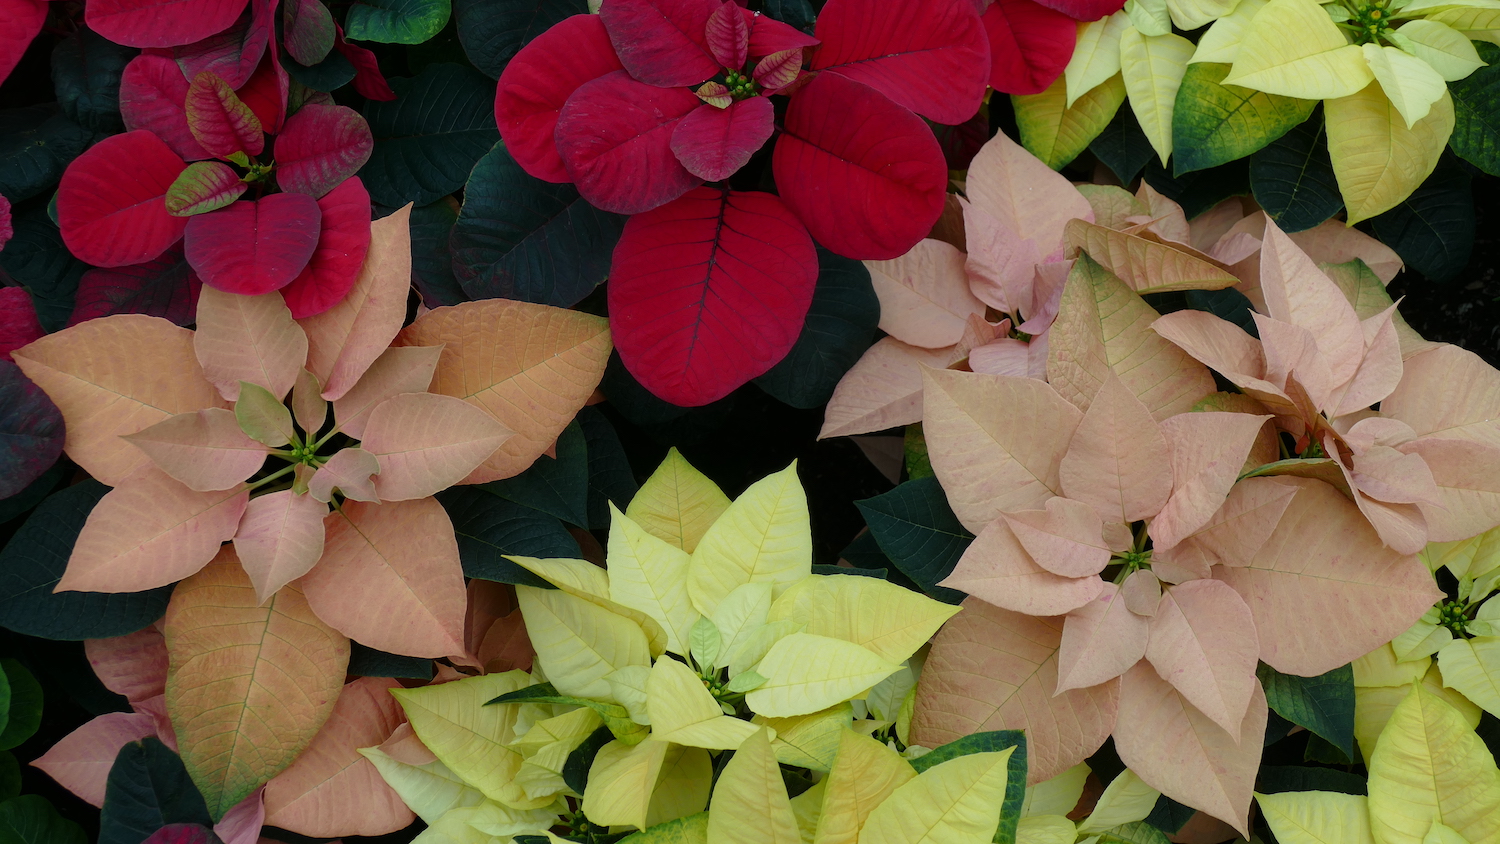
(86, 69)
(1214, 123)
(489, 527)
(1123, 146)
(989, 742)
(556, 486)
(1323, 704)
(1476, 112)
(148, 788)
(840, 326)
(917, 530)
(36, 143)
(30, 819)
(429, 138)
(1292, 178)
(397, 21)
(493, 31)
(1433, 228)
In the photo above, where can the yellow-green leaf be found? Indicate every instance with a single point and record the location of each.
(890, 620)
(1188, 15)
(1046, 829)
(1430, 766)
(683, 711)
(807, 807)
(1058, 795)
(1127, 799)
(1377, 160)
(1222, 41)
(579, 643)
(1451, 54)
(953, 802)
(621, 781)
(689, 830)
(805, 673)
(1472, 667)
(739, 616)
(1373, 706)
(430, 789)
(677, 503)
(865, 774)
(1411, 84)
(809, 741)
(1294, 49)
(682, 787)
(1096, 55)
(1153, 66)
(583, 579)
(750, 805)
(1317, 817)
(1055, 130)
(758, 643)
(764, 536)
(650, 575)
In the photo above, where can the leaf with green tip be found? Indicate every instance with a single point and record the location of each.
(990, 742)
(396, 21)
(220, 121)
(1292, 178)
(1056, 132)
(203, 187)
(1216, 123)
(1323, 704)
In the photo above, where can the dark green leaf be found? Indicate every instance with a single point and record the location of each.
(368, 662)
(30, 819)
(32, 563)
(489, 527)
(86, 70)
(25, 704)
(575, 771)
(864, 552)
(493, 31)
(31, 431)
(36, 144)
(1139, 832)
(840, 325)
(1476, 112)
(1015, 784)
(1169, 816)
(1214, 124)
(616, 718)
(519, 237)
(1227, 304)
(797, 13)
(558, 487)
(10, 776)
(663, 421)
(428, 138)
(917, 530)
(1433, 229)
(1275, 779)
(148, 788)
(1321, 750)
(333, 72)
(1200, 190)
(1322, 704)
(1292, 178)
(37, 258)
(431, 260)
(307, 30)
(1122, 146)
(914, 452)
(878, 574)
(610, 476)
(34, 492)
(1277, 728)
(396, 21)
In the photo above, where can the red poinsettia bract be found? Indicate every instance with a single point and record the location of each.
(643, 103)
(1031, 41)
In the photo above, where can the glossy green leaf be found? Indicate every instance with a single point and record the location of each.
(840, 325)
(1433, 228)
(1292, 178)
(24, 705)
(989, 742)
(493, 31)
(86, 70)
(37, 259)
(489, 528)
(1322, 704)
(519, 237)
(36, 144)
(556, 486)
(32, 563)
(148, 788)
(1215, 123)
(333, 72)
(368, 662)
(1123, 146)
(30, 819)
(429, 138)
(918, 531)
(396, 21)
(611, 480)
(1275, 779)
(1227, 304)
(1476, 113)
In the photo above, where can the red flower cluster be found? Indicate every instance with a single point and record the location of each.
(641, 104)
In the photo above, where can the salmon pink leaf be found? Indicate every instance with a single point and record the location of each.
(615, 138)
(930, 57)
(863, 194)
(400, 369)
(1203, 644)
(20, 21)
(662, 42)
(31, 429)
(539, 80)
(153, 96)
(221, 122)
(205, 451)
(426, 443)
(80, 762)
(1030, 44)
(203, 187)
(248, 339)
(710, 291)
(307, 31)
(18, 321)
(713, 143)
(349, 470)
(343, 242)
(368, 81)
(133, 665)
(161, 23)
(280, 539)
(728, 35)
(233, 54)
(320, 147)
(164, 287)
(254, 247)
(111, 204)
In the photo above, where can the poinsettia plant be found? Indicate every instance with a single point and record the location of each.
(643, 103)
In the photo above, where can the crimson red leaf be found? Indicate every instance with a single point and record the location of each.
(6, 230)
(768, 35)
(709, 291)
(307, 30)
(662, 42)
(111, 204)
(1085, 10)
(1030, 45)
(18, 322)
(931, 57)
(20, 21)
(320, 147)
(153, 92)
(234, 53)
(615, 138)
(368, 82)
(164, 287)
(221, 122)
(538, 81)
(713, 143)
(266, 92)
(31, 430)
(254, 247)
(184, 833)
(203, 187)
(340, 253)
(160, 23)
(728, 35)
(866, 176)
